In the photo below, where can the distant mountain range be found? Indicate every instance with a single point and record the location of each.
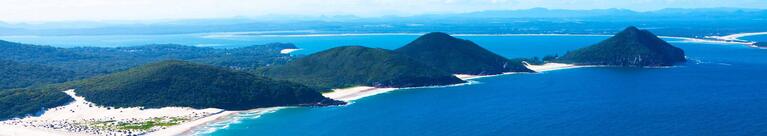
(608, 13)
(673, 22)
(630, 47)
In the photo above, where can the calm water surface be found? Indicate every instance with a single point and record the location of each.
(722, 90)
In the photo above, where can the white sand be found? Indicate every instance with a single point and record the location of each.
(13, 130)
(736, 37)
(536, 68)
(288, 51)
(711, 41)
(185, 128)
(344, 94)
(81, 110)
(354, 93)
(551, 67)
(87, 110)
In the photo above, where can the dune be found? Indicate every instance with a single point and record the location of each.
(79, 117)
(288, 51)
(551, 67)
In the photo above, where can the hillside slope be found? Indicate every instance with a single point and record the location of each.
(458, 56)
(356, 65)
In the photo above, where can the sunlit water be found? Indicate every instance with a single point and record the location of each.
(722, 90)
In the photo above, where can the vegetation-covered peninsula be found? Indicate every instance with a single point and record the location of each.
(631, 47)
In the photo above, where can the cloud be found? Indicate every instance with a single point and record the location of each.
(94, 10)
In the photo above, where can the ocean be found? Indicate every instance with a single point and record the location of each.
(721, 90)
(756, 38)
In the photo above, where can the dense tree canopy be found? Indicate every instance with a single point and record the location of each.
(442, 51)
(23, 102)
(631, 47)
(15, 75)
(91, 61)
(185, 84)
(356, 65)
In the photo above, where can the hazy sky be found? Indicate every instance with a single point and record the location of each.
(99, 10)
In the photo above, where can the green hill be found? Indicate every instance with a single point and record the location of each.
(179, 83)
(23, 102)
(36, 54)
(92, 61)
(16, 75)
(631, 47)
(442, 51)
(356, 65)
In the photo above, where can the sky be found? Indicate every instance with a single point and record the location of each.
(31, 11)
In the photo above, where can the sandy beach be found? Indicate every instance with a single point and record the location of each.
(81, 117)
(14, 130)
(551, 67)
(358, 92)
(186, 128)
(354, 93)
(81, 109)
(288, 51)
(736, 37)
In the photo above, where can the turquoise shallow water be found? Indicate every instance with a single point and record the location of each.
(756, 38)
(721, 91)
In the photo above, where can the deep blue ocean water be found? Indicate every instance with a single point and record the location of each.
(722, 90)
(756, 38)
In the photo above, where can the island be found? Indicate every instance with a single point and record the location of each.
(631, 47)
(349, 66)
(458, 56)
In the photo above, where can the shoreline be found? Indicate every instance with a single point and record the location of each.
(13, 130)
(204, 124)
(351, 94)
(194, 127)
(80, 118)
(288, 51)
(736, 37)
(186, 128)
